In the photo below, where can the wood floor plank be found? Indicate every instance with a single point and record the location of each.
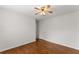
(41, 47)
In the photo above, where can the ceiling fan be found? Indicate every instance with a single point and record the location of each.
(43, 10)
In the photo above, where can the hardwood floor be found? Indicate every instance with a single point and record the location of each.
(41, 47)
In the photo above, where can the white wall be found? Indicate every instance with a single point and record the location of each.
(63, 29)
(15, 29)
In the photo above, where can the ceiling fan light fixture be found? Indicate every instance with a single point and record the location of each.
(42, 13)
(43, 10)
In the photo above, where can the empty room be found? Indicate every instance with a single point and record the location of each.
(39, 29)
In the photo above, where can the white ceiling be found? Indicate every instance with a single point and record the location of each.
(29, 10)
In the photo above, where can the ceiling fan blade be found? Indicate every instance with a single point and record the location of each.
(48, 6)
(50, 11)
(36, 8)
(36, 13)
